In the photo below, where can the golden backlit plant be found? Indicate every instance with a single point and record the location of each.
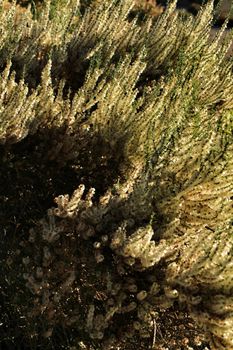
(140, 112)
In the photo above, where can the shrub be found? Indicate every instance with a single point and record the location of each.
(133, 120)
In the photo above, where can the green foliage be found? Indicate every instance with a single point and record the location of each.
(143, 113)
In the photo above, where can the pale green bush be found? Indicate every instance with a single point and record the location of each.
(142, 111)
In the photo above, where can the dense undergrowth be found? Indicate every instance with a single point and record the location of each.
(116, 178)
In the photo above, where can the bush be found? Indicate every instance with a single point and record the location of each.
(132, 119)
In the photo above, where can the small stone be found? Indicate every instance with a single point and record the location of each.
(96, 245)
